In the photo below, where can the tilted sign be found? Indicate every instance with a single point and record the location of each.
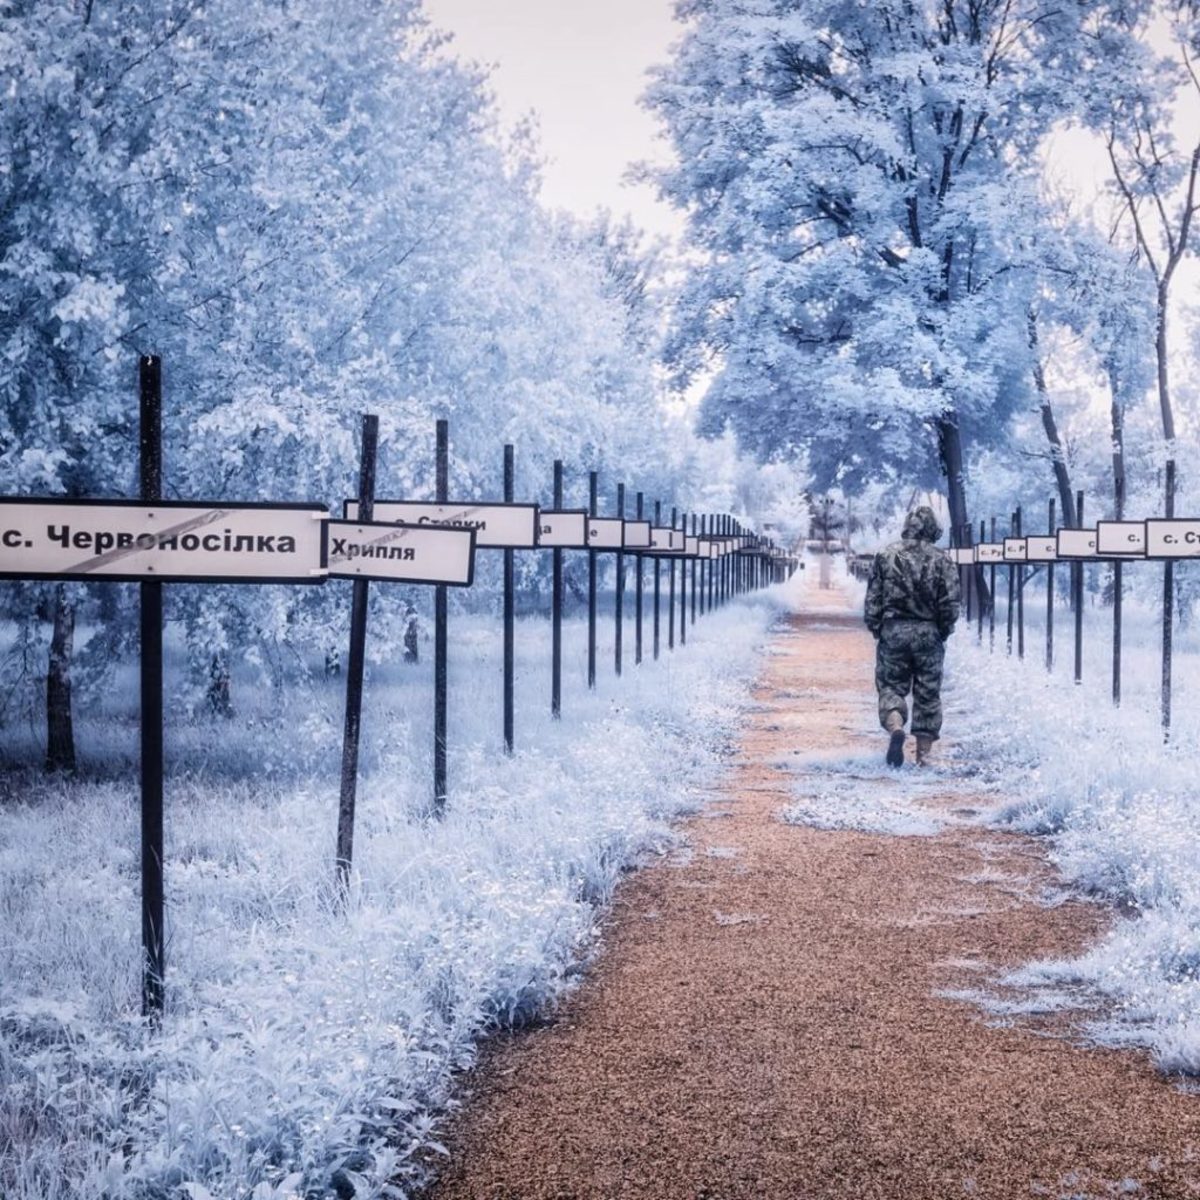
(637, 535)
(1121, 539)
(1041, 549)
(167, 540)
(989, 552)
(1077, 543)
(664, 540)
(566, 529)
(1014, 550)
(1173, 538)
(497, 526)
(605, 533)
(402, 553)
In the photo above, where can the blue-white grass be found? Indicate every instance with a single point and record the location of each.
(1122, 808)
(306, 1050)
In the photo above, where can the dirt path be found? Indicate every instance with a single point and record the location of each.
(765, 1019)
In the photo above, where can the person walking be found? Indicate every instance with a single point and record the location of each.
(911, 608)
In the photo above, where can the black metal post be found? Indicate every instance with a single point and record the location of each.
(1118, 597)
(620, 598)
(683, 566)
(1078, 580)
(556, 611)
(593, 509)
(440, 636)
(695, 533)
(1020, 593)
(964, 573)
(992, 590)
(151, 619)
(1012, 584)
(671, 594)
(977, 572)
(657, 579)
(1168, 613)
(705, 573)
(712, 564)
(509, 610)
(637, 610)
(356, 666)
(1050, 597)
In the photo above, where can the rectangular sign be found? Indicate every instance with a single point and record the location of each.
(565, 529)
(1121, 539)
(1041, 549)
(1077, 543)
(963, 556)
(497, 526)
(402, 553)
(176, 542)
(637, 535)
(1173, 538)
(692, 547)
(605, 533)
(989, 552)
(664, 540)
(1014, 550)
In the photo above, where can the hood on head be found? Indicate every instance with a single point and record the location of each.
(922, 525)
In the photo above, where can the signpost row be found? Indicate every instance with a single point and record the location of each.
(151, 542)
(1167, 539)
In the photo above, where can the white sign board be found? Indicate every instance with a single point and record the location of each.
(667, 541)
(605, 533)
(1041, 549)
(1121, 539)
(402, 553)
(692, 547)
(566, 529)
(173, 542)
(497, 526)
(963, 556)
(1174, 538)
(989, 552)
(637, 535)
(1014, 550)
(1077, 543)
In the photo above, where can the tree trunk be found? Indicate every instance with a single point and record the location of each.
(412, 645)
(60, 732)
(950, 448)
(220, 702)
(1118, 443)
(1062, 477)
(1160, 353)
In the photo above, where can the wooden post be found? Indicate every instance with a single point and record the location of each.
(1050, 598)
(1168, 613)
(355, 668)
(151, 621)
(509, 611)
(556, 612)
(440, 637)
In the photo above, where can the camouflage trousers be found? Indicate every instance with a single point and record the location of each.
(909, 656)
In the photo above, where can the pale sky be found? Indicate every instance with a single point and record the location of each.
(580, 66)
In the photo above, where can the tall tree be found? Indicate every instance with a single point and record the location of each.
(1155, 173)
(849, 172)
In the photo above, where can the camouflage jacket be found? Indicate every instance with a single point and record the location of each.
(912, 580)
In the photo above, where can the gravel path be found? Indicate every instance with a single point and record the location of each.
(768, 1018)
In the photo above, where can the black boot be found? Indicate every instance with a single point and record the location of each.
(895, 751)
